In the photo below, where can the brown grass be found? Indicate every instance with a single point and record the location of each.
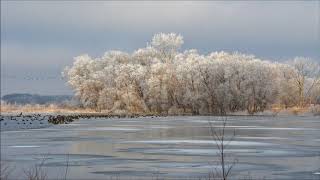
(68, 109)
(279, 109)
(36, 108)
(299, 110)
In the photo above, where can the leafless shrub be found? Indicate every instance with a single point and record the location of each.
(37, 172)
(222, 142)
(67, 167)
(5, 171)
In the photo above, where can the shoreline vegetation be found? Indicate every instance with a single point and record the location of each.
(12, 109)
(39, 116)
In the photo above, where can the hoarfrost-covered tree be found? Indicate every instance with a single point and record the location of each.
(167, 45)
(161, 79)
(306, 75)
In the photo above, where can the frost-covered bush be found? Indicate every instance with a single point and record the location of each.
(315, 110)
(161, 79)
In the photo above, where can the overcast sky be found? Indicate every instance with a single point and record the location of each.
(38, 39)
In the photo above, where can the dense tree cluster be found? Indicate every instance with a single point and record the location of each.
(160, 79)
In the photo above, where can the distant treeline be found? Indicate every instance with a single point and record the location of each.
(35, 99)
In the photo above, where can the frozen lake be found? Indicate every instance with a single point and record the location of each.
(167, 147)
